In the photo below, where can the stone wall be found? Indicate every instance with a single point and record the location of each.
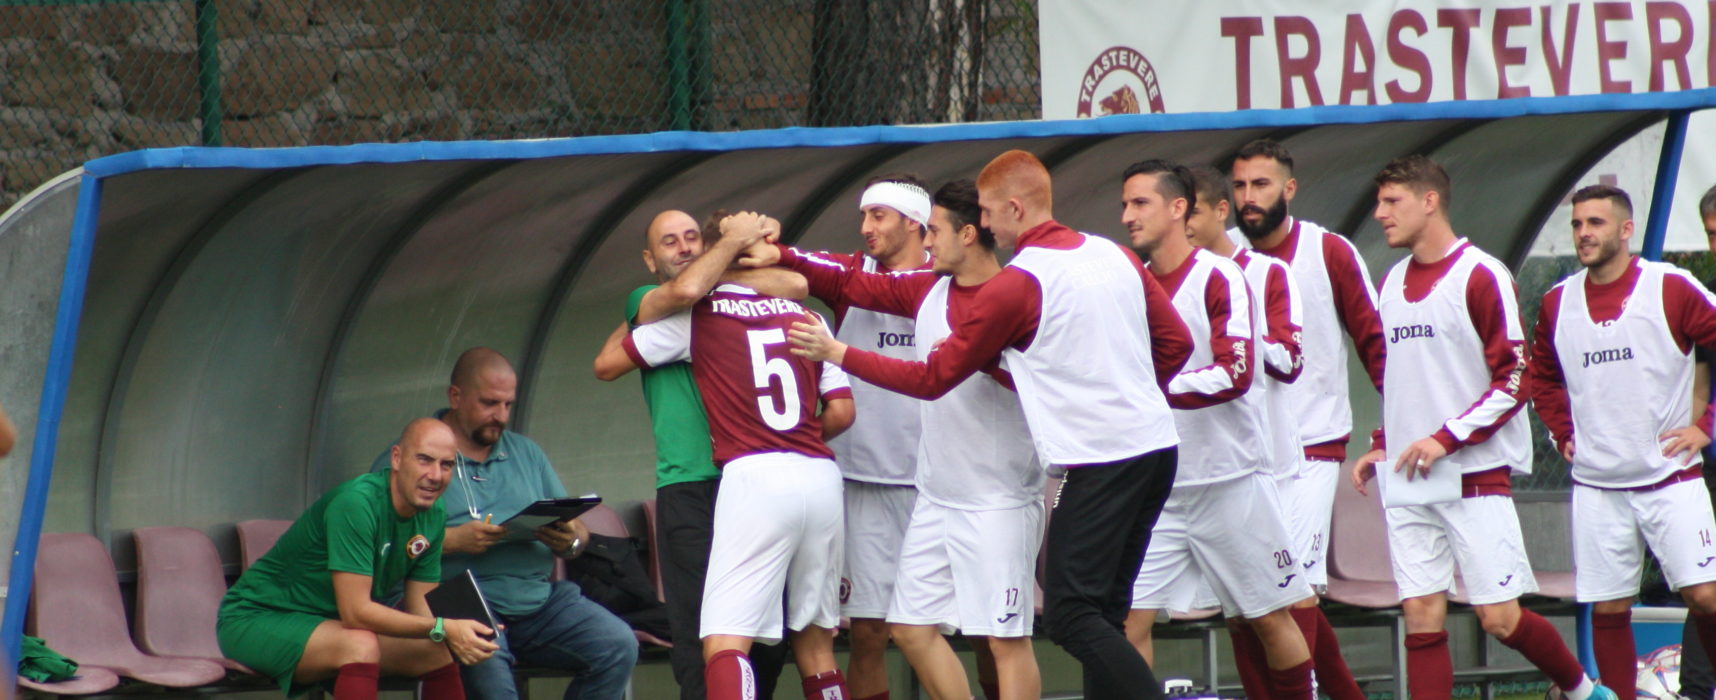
(86, 80)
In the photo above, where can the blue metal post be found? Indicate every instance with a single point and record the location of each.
(1662, 195)
(54, 384)
(1587, 650)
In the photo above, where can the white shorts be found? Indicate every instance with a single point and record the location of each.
(1479, 534)
(876, 518)
(1230, 533)
(969, 570)
(777, 530)
(1610, 529)
(1308, 502)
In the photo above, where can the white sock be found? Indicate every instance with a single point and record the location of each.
(1583, 692)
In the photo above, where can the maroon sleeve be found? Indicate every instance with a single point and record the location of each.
(1548, 383)
(1282, 331)
(1228, 376)
(1170, 340)
(1355, 301)
(1504, 354)
(1693, 310)
(1004, 313)
(826, 273)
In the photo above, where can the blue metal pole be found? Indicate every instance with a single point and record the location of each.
(1587, 649)
(1662, 195)
(54, 384)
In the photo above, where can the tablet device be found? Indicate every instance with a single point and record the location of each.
(522, 525)
(461, 599)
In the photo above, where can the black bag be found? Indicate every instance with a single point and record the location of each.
(611, 572)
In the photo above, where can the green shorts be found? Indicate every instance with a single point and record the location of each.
(270, 642)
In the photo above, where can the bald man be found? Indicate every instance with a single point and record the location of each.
(1090, 340)
(308, 610)
(496, 474)
(688, 261)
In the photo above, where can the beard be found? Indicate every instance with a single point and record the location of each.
(488, 435)
(1271, 220)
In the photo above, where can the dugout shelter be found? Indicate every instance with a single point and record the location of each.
(199, 336)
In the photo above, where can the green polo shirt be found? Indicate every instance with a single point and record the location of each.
(513, 574)
(352, 529)
(682, 449)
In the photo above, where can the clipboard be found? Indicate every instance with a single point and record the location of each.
(522, 525)
(1441, 486)
(462, 599)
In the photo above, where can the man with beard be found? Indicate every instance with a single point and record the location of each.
(1336, 295)
(1278, 296)
(497, 473)
(1452, 392)
(687, 262)
(878, 456)
(1222, 524)
(1612, 366)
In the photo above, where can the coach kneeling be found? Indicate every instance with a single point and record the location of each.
(307, 610)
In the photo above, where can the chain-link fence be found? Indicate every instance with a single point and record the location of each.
(81, 79)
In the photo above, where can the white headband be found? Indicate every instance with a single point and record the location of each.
(910, 201)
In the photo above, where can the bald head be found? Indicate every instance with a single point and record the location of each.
(1015, 195)
(475, 363)
(671, 242)
(424, 431)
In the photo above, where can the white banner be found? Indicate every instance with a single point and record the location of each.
(1128, 56)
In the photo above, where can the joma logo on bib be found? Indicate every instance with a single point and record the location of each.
(1416, 330)
(895, 340)
(1611, 355)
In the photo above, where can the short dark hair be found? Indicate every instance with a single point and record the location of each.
(1707, 204)
(1173, 181)
(1418, 173)
(1212, 185)
(712, 226)
(1264, 148)
(1616, 196)
(959, 198)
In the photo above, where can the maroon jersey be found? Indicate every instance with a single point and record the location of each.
(758, 395)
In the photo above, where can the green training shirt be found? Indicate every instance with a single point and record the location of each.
(353, 529)
(682, 449)
(514, 573)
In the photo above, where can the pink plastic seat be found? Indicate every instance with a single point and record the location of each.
(1360, 572)
(602, 520)
(256, 537)
(88, 681)
(77, 610)
(179, 587)
(653, 538)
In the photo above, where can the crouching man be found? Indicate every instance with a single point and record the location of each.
(307, 611)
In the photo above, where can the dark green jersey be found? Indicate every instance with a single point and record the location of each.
(353, 529)
(682, 449)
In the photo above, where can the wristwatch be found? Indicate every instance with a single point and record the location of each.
(438, 633)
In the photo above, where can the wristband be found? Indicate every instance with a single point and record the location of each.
(438, 633)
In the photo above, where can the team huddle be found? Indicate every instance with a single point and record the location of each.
(1182, 398)
(1185, 395)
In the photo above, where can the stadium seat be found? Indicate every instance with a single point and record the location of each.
(602, 520)
(652, 536)
(179, 588)
(256, 537)
(77, 610)
(1360, 573)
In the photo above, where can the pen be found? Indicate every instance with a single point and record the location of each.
(489, 519)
